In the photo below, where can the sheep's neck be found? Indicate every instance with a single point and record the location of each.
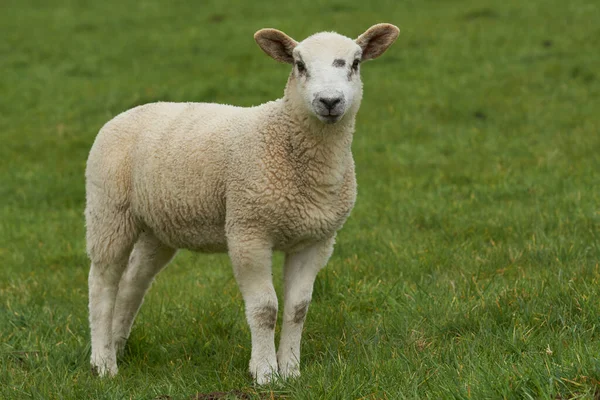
(325, 149)
(319, 153)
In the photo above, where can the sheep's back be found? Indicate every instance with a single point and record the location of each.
(168, 163)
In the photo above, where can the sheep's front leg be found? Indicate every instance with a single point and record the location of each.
(251, 261)
(300, 271)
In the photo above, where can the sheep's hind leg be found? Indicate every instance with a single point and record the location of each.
(148, 258)
(300, 271)
(110, 237)
(251, 261)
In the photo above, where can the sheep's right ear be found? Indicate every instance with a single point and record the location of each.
(276, 44)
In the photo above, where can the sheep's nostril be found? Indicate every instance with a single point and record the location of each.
(330, 102)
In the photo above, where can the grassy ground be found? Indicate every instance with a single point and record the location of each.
(468, 269)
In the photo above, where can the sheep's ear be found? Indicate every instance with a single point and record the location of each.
(276, 44)
(376, 40)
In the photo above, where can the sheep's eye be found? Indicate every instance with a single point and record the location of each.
(300, 65)
(355, 64)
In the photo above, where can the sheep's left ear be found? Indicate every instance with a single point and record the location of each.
(276, 44)
(376, 40)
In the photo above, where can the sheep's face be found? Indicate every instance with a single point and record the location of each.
(326, 67)
(327, 75)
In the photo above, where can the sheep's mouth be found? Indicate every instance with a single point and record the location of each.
(330, 118)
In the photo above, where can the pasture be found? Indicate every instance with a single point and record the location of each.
(469, 268)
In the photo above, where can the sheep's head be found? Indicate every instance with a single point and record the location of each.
(326, 67)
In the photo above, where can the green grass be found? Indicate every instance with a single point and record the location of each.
(468, 269)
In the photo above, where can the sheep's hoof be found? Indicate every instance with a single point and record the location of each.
(289, 370)
(264, 379)
(103, 369)
(120, 345)
(264, 373)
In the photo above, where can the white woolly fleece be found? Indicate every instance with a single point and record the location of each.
(219, 178)
(196, 174)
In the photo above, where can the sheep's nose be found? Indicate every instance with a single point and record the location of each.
(330, 102)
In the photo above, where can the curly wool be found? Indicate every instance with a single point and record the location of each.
(194, 173)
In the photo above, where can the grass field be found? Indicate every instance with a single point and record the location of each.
(468, 269)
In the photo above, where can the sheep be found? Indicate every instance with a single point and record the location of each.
(219, 178)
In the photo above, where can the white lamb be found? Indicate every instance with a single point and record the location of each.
(218, 178)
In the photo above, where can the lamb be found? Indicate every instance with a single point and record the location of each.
(219, 178)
